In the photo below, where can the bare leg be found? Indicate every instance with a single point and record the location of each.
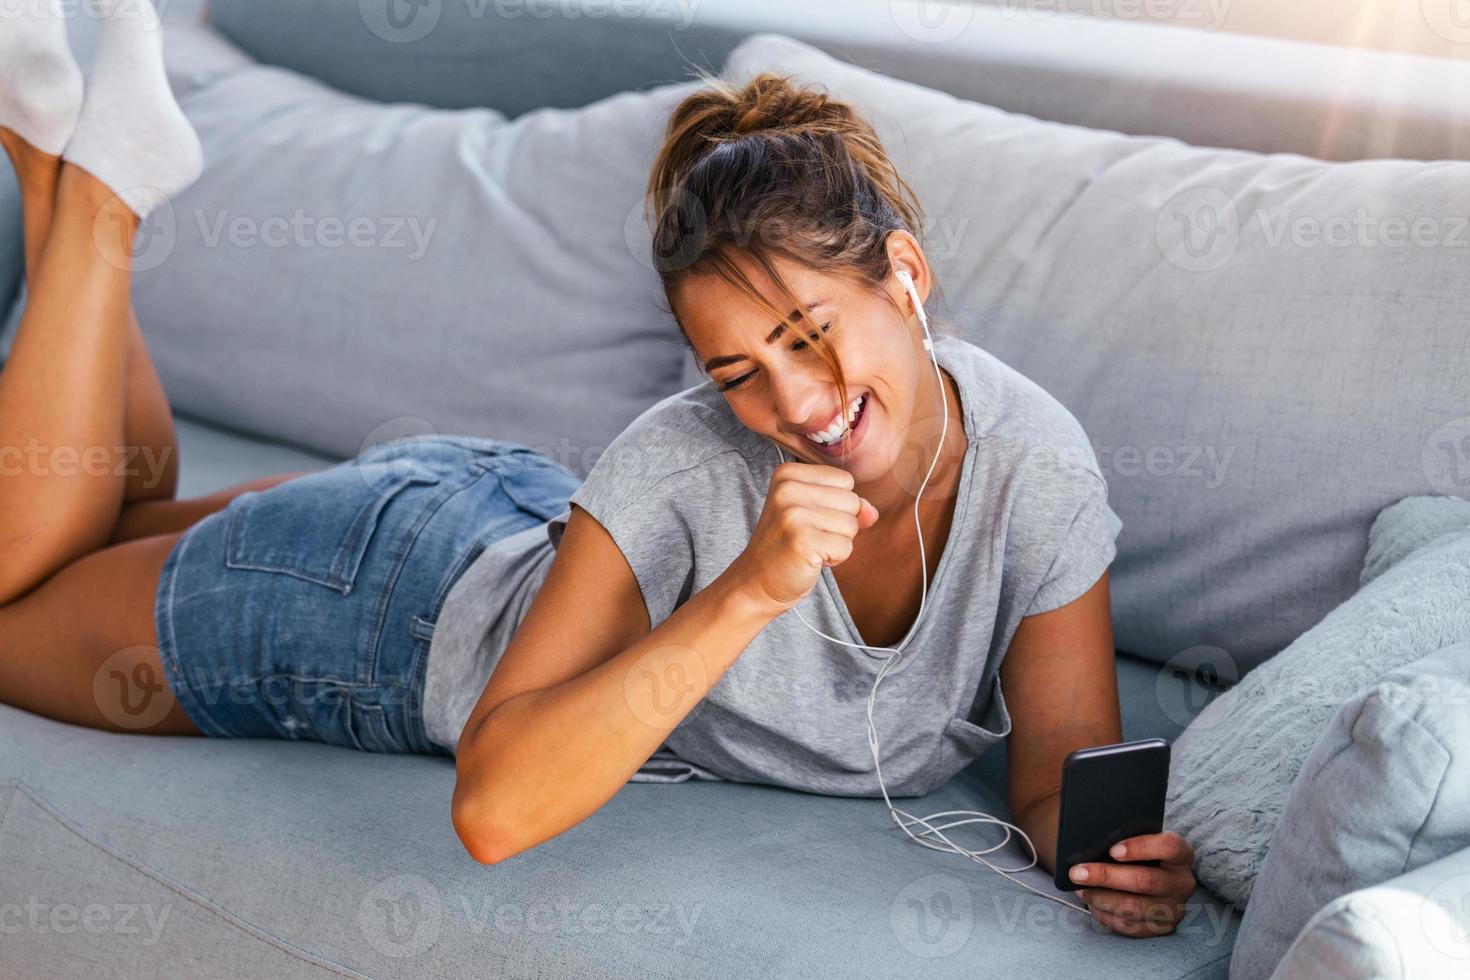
(148, 425)
(83, 648)
(63, 392)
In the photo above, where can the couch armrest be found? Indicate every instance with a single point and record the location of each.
(1413, 927)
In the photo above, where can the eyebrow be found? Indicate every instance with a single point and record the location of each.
(771, 338)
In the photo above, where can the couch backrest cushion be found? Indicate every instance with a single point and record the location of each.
(346, 271)
(1047, 60)
(1265, 349)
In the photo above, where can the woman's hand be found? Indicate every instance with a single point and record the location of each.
(1140, 901)
(810, 517)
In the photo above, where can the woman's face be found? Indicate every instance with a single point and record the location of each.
(780, 388)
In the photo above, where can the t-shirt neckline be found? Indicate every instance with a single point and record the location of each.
(962, 497)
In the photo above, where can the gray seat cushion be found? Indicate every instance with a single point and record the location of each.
(293, 859)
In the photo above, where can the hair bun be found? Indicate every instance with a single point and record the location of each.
(770, 103)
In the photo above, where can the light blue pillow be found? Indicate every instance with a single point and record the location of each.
(1385, 791)
(1232, 769)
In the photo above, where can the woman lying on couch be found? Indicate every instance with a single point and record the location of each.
(416, 600)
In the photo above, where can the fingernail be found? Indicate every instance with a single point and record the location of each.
(1079, 873)
(1118, 850)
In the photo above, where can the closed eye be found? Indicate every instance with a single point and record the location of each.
(740, 382)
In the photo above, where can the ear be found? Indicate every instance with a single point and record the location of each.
(904, 253)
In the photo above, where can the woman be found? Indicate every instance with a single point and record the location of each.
(470, 597)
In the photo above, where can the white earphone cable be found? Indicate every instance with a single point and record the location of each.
(932, 836)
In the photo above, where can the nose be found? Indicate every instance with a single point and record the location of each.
(802, 400)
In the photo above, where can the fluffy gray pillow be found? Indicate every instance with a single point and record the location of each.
(347, 271)
(1384, 791)
(1232, 769)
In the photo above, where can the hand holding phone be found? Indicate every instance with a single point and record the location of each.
(1109, 793)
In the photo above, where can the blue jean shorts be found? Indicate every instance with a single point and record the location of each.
(305, 611)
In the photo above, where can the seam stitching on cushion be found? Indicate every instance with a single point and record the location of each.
(1203, 967)
(14, 789)
(185, 891)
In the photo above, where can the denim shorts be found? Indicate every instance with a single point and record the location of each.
(305, 611)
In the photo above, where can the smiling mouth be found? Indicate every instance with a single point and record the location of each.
(837, 438)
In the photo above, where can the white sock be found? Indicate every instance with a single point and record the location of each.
(41, 91)
(132, 135)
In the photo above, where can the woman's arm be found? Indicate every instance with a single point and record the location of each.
(1061, 687)
(585, 693)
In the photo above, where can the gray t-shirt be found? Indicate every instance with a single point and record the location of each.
(680, 491)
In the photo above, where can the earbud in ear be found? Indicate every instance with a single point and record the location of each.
(908, 285)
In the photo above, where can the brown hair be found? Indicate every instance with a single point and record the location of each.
(773, 168)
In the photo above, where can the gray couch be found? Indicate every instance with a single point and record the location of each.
(137, 856)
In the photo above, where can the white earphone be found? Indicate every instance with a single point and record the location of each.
(903, 819)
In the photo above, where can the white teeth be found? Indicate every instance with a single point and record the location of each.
(838, 428)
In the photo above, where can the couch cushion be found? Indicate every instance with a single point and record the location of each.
(1234, 768)
(314, 860)
(1126, 72)
(346, 271)
(1265, 350)
(1384, 791)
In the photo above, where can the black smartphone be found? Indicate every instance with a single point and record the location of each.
(1109, 793)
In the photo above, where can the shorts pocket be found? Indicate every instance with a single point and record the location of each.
(318, 527)
(535, 483)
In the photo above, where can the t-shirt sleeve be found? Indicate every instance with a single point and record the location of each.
(1084, 551)
(634, 491)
